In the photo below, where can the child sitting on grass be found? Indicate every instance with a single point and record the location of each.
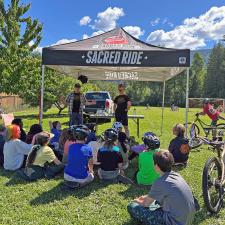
(19, 122)
(179, 146)
(122, 142)
(34, 129)
(92, 133)
(55, 128)
(2, 142)
(41, 161)
(111, 160)
(79, 169)
(176, 203)
(14, 150)
(146, 174)
(95, 146)
(70, 139)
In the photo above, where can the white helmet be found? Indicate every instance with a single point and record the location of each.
(117, 126)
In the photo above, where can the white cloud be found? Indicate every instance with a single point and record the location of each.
(85, 36)
(85, 20)
(194, 32)
(155, 22)
(166, 21)
(107, 20)
(97, 33)
(134, 31)
(64, 41)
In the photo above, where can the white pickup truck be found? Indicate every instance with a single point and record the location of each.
(98, 102)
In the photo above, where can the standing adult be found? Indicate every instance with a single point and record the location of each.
(76, 102)
(122, 105)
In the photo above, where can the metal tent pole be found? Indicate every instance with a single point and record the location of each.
(187, 103)
(42, 93)
(163, 105)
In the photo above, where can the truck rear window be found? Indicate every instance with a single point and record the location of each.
(97, 96)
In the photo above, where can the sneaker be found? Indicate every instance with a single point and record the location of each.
(124, 180)
(71, 185)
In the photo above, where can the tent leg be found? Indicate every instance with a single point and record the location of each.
(163, 105)
(187, 103)
(42, 94)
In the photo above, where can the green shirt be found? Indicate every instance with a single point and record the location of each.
(147, 174)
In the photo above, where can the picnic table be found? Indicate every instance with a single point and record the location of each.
(135, 118)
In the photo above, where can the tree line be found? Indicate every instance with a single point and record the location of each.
(20, 68)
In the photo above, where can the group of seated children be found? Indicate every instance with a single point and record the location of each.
(78, 149)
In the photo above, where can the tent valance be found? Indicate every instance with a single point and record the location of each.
(116, 55)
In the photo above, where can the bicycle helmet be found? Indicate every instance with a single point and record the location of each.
(80, 132)
(206, 101)
(110, 135)
(117, 126)
(151, 140)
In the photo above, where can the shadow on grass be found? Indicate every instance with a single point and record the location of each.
(61, 192)
(5, 173)
(46, 116)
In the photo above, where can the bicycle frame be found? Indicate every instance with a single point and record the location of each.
(205, 127)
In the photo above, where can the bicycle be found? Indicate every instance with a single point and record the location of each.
(194, 132)
(213, 177)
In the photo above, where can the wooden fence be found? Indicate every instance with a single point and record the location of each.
(10, 103)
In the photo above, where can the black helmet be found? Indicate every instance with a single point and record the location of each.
(80, 132)
(151, 140)
(206, 101)
(110, 135)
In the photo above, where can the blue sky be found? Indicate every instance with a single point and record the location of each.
(163, 22)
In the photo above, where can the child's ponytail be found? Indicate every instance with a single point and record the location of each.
(31, 157)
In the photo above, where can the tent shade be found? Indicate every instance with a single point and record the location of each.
(157, 74)
(115, 48)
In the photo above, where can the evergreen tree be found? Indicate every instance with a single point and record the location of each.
(197, 76)
(215, 78)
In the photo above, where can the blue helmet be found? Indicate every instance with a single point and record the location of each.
(111, 135)
(151, 140)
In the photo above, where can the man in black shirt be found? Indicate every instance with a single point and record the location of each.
(76, 102)
(122, 104)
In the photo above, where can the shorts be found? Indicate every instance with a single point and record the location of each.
(108, 175)
(88, 179)
(122, 118)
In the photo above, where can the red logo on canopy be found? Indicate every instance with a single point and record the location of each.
(117, 40)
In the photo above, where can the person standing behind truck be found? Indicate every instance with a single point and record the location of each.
(76, 103)
(122, 105)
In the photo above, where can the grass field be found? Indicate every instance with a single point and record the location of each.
(46, 202)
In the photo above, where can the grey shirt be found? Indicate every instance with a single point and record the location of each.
(174, 195)
(14, 151)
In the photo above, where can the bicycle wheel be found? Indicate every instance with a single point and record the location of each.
(211, 187)
(220, 130)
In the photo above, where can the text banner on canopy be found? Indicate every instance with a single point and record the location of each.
(116, 58)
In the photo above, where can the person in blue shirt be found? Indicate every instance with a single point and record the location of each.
(55, 128)
(79, 169)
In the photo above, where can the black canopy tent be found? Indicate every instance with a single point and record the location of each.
(116, 55)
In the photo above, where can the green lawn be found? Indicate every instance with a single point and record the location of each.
(46, 202)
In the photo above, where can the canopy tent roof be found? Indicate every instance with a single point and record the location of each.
(116, 55)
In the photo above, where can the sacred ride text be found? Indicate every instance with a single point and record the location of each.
(114, 57)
